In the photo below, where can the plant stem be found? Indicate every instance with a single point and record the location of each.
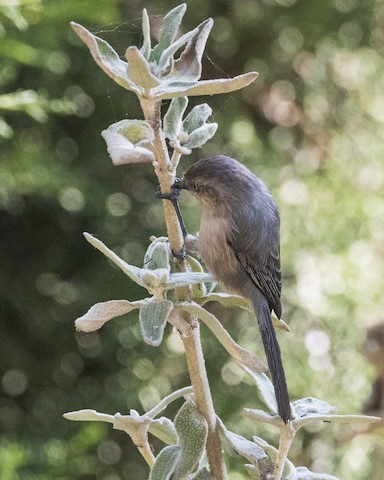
(140, 439)
(165, 171)
(203, 398)
(287, 434)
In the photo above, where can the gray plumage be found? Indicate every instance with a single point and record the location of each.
(239, 241)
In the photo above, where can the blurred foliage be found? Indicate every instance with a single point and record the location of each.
(312, 126)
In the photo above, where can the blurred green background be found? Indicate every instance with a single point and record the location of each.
(312, 126)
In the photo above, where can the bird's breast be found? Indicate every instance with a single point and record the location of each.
(213, 246)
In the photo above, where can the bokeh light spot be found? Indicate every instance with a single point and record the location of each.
(14, 382)
(58, 62)
(175, 344)
(109, 452)
(89, 344)
(230, 374)
(118, 204)
(67, 149)
(281, 139)
(350, 34)
(243, 132)
(72, 364)
(56, 451)
(149, 396)
(317, 342)
(143, 369)
(84, 104)
(72, 199)
(291, 39)
(293, 192)
(345, 6)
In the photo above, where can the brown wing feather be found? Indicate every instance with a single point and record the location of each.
(266, 275)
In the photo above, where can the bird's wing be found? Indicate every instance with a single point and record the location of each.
(264, 270)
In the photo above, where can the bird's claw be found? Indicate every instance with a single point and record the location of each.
(172, 195)
(181, 254)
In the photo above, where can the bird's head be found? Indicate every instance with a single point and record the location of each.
(214, 180)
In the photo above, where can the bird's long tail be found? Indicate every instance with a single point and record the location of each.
(272, 351)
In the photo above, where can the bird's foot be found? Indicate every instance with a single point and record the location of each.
(181, 254)
(172, 195)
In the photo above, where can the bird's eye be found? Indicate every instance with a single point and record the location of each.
(195, 187)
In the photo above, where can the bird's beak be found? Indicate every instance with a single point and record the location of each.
(179, 184)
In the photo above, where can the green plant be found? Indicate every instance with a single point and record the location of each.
(179, 289)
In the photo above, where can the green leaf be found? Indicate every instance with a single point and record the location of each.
(164, 466)
(269, 449)
(133, 272)
(175, 144)
(266, 389)
(249, 450)
(302, 473)
(192, 431)
(88, 415)
(310, 405)
(197, 117)
(146, 48)
(139, 72)
(153, 318)
(262, 417)
(205, 87)
(172, 49)
(198, 290)
(203, 474)
(136, 131)
(188, 66)
(123, 152)
(171, 89)
(101, 312)
(241, 355)
(312, 418)
(226, 299)
(201, 135)
(253, 472)
(155, 281)
(173, 118)
(262, 464)
(187, 278)
(126, 142)
(106, 57)
(157, 256)
(279, 323)
(169, 31)
(163, 429)
(193, 264)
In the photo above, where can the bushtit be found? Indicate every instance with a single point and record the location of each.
(239, 242)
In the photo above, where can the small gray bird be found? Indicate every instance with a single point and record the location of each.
(239, 242)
